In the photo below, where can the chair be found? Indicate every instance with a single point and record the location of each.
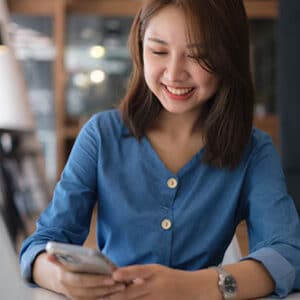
(233, 252)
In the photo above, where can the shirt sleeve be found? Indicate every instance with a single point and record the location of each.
(272, 219)
(67, 218)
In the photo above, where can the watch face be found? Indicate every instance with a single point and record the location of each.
(230, 285)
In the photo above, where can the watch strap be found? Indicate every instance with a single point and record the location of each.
(223, 278)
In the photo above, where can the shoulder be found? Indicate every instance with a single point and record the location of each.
(259, 138)
(101, 134)
(107, 118)
(108, 122)
(260, 147)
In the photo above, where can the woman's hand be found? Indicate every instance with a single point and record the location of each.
(156, 282)
(83, 285)
(76, 286)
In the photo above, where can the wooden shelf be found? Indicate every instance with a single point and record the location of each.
(255, 8)
(32, 7)
(104, 7)
(70, 132)
(94, 7)
(267, 9)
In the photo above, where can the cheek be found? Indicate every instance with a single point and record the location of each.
(152, 65)
(206, 79)
(146, 65)
(147, 74)
(150, 70)
(212, 82)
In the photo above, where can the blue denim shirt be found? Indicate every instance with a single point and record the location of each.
(203, 205)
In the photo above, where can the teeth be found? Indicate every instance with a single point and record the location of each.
(178, 91)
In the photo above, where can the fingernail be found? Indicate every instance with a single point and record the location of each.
(119, 288)
(138, 281)
(117, 277)
(108, 281)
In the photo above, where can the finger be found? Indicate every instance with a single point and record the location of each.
(85, 280)
(132, 273)
(130, 293)
(94, 293)
(136, 290)
(71, 278)
(53, 259)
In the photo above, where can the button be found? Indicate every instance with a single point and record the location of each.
(166, 224)
(172, 183)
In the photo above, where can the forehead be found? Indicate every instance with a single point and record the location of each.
(167, 18)
(170, 23)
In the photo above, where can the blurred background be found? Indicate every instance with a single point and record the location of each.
(74, 59)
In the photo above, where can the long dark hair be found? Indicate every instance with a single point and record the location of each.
(226, 118)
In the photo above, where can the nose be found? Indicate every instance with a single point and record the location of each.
(175, 69)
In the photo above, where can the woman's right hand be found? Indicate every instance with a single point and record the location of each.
(50, 274)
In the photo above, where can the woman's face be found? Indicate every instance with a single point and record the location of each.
(171, 73)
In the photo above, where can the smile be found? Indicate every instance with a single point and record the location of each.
(181, 94)
(179, 91)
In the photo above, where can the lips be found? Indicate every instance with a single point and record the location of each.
(179, 93)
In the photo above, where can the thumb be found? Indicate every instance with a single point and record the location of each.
(133, 273)
(53, 259)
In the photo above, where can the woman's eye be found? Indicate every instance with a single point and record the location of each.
(159, 52)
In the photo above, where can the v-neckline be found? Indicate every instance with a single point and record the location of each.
(159, 162)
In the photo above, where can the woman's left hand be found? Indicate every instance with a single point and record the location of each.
(156, 282)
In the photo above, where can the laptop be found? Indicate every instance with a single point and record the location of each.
(12, 286)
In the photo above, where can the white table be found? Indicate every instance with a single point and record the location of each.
(41, 294)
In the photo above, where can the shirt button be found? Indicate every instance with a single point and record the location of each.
(172, 183)
(166, 224)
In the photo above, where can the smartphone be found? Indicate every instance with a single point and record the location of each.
(81, 259)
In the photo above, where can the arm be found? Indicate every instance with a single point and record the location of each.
(158, 282)
(272, 219)
(44, 273)
(67, 218)
(49, 274)
(250, 274)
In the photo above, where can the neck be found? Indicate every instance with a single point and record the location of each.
(179, 125)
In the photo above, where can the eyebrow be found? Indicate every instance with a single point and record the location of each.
(156, 40)
(162, 42)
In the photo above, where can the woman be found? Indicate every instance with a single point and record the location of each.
(175, 169)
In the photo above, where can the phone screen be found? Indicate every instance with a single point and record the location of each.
(80, 259)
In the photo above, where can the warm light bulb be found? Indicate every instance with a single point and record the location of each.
(81, 80)
(3, 49)
(97, 51)
(97, 76)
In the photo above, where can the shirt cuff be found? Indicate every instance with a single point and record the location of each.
(27, 260)
(282, 272)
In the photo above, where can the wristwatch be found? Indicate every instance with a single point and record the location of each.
(227, 284)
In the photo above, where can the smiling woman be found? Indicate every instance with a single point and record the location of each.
(215, 50)
(175, 77)
(174, 169)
